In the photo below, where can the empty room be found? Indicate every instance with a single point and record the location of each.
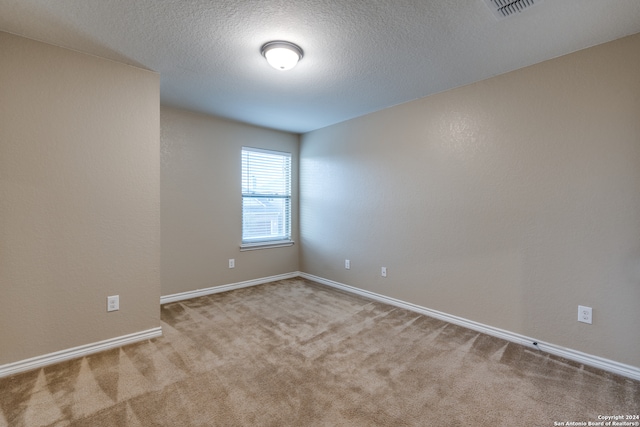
(319, 213)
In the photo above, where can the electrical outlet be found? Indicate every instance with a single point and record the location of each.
(383, 272)
(232, 263)
(347, 264)
(113, 303)
(585, 314)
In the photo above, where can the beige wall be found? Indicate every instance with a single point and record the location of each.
(79, 198)
(507, 202)
(201, 203)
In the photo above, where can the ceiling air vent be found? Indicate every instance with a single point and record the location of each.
(504, 8)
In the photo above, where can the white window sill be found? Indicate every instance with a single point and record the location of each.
(265, 245)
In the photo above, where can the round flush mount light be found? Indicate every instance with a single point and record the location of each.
(282, 55)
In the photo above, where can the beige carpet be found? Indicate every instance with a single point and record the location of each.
(294, 353)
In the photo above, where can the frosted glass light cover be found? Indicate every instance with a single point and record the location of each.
(282, 58)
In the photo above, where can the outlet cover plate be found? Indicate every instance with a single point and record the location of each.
(113, 303)
(585, 314)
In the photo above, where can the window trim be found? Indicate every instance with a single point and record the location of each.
(266, 245)
(278, 242)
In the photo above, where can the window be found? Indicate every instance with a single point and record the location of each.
(266, 198)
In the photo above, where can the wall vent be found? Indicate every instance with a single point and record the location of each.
(505, 8)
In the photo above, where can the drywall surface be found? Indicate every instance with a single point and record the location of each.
(507, 202)
(201, 202)
(79, 198)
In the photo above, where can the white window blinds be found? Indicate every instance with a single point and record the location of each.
(266, 196)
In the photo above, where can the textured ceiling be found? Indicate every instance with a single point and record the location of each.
(360, 55)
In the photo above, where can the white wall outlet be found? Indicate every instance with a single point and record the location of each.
(383, 272)
(113, 303)
(232, 263)
(347, 264)
(585, 314)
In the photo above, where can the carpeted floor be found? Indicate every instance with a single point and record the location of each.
(294, 353)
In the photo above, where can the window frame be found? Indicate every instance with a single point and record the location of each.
(285, 239)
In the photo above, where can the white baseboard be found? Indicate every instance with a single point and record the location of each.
(569, 354)
(72, 353)
(84, 350)
(224, 288)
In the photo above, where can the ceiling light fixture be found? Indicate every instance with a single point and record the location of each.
(282, 55)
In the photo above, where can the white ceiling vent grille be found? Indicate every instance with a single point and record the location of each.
(504, 8)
